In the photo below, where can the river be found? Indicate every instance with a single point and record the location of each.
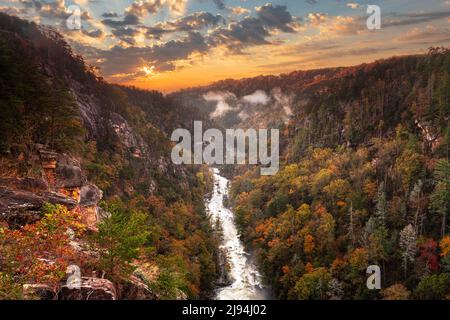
(246, 281)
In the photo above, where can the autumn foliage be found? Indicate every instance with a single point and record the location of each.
(39, 252)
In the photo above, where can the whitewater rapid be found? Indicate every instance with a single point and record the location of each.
(246, 280)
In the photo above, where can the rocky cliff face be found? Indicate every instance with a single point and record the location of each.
(60, 181)
(58, 178)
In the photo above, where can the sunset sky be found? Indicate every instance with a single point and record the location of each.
(172, 44)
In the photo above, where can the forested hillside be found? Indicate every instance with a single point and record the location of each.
(365, 179)
(69, 139)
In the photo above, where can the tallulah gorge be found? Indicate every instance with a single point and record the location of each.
(224, 150)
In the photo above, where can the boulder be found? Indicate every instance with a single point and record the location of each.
(68, 172)
(18, 207)
(136, 289)
(90, 195)
(38, 291)
(89, 289)
(62, 172)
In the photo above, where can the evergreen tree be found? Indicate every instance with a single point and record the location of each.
(119, 238)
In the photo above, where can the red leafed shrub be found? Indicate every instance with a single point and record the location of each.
(428, 253)
(39, 252)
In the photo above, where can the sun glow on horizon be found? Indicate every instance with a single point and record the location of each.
(149, 71)
(170, 45)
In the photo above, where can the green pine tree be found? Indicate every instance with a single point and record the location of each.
(119, 239)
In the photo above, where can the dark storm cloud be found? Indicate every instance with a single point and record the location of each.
(255, 31)
(93, 34)
(120, 60)
(179, 49)
(130, 32)
(249, 31)
(110, 15)
(126, 34)
(193, 22)
(275, 17)
(128, 20)
(157, 32)
(197, 21)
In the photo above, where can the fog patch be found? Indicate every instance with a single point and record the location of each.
(223, 102)
(258, 97)
(285, 101)
(250, 106)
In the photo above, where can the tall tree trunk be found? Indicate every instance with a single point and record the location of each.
(444, 222)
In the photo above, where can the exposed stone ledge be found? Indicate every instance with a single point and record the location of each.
(18, 207)
(62, 182)
(38, 291)
(90, 289)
